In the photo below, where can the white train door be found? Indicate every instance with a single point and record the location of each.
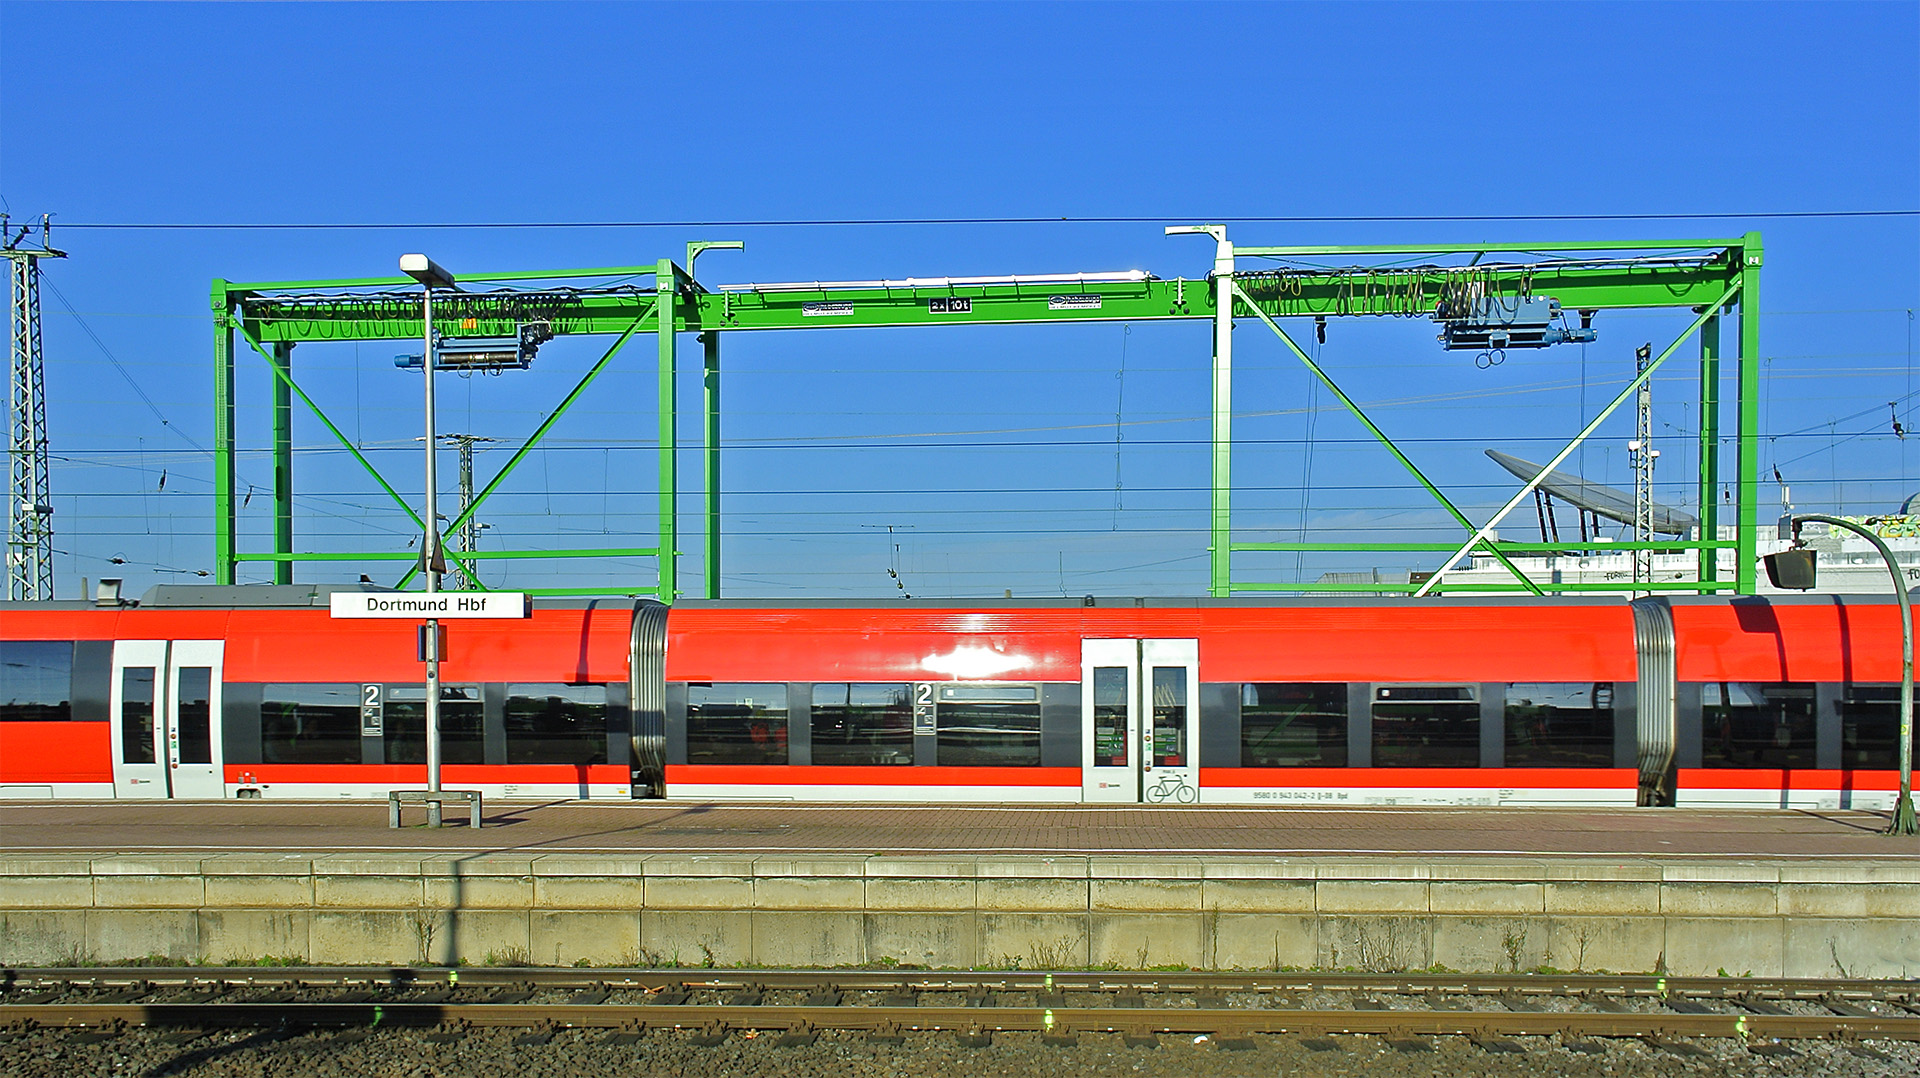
(165, 701)
(1139, 721)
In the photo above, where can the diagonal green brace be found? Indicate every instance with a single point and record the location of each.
(540, 432)
(280, 372)
(1458, 516)
(1632, 387)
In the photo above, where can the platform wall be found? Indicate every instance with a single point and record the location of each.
(1766, 918)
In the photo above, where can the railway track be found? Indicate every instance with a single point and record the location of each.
(796, 1006)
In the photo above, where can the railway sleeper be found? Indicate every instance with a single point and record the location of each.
(975, 1037)
(711, 1035)
(1684, 1049)
(798, 1035)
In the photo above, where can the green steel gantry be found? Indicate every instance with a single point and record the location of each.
(1710, 278)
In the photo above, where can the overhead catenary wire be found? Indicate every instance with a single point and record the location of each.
(804, 222)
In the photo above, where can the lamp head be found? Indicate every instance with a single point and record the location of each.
(426, 271)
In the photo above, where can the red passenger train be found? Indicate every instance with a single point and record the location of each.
(198, 692)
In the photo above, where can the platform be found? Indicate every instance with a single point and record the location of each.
(1691, 893)
(887, 829)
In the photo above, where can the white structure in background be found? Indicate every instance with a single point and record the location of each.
(1847, 564)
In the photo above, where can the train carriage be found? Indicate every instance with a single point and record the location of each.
(201, 692)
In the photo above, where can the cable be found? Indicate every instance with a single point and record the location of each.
(869, 221)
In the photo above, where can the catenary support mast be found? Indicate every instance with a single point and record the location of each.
(29, 491)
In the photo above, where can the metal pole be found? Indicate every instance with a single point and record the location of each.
(431, 556)
(1904, 822)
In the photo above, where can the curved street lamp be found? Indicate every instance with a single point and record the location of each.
(1793, 568)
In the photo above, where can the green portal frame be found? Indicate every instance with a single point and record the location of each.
(1710, 278)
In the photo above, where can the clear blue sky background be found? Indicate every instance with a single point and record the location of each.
(1039, 460)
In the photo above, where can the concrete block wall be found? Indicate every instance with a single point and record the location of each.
(1767, 918)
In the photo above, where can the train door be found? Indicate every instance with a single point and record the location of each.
(1139, 723)
(165, 701)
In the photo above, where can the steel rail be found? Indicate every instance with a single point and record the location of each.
(1054, 1020)
(855, 980)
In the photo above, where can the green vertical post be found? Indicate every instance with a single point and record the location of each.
(1710, 445)
(283, 462)
(711, 445)
(666, 284)
(1747, 548)
(224, 520)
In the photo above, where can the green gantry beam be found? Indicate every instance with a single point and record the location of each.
(1612, 275)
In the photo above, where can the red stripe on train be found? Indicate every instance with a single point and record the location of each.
(789, 775)
(56, 752)
(1704, 778)
(1423, 778)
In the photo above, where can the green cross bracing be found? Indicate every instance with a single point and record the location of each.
(1710, 278)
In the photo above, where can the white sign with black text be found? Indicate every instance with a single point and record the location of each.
(414, 605)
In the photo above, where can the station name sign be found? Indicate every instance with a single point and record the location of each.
(414, 605)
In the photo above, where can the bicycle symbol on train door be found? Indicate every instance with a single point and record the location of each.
(1172, 786)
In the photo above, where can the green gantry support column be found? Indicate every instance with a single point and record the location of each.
(710, 446)
(1747, 553)
(224, 546)
(283, 461)
(666, 290)
(1710, 445)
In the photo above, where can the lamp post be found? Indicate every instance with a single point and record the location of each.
(431, 276)
(1904, 822)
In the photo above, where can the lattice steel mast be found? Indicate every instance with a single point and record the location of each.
(466, 537)
(29, 493)
(1644, 454)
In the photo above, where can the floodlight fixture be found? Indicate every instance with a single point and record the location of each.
(426, 271)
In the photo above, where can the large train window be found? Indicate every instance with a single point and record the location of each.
(463, 728)
(861, 724)
(988, 725)
(310, 724)
(1426, 726)
(1551, 724)
(556, 724)
(1293, 724)
(1750, 724)
(36, 680)
(732, 723)
(1870, 726)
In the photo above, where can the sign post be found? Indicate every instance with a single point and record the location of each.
(435, 607)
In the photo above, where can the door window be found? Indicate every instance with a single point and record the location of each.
(1110, 716)
(1169, 716)
(136, 715)
(196, 715)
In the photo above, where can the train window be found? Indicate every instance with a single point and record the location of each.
(1169, 716)
(310, 724)
(1870, 726)
(1426, 726)
(136, 715)
(556, 724)
(988, 725)
(463, 735)
(1293, 725)
(860, 724)
(36, 680)
(194, 712)
(1559, 725)
(1749, 724)
(732, 723)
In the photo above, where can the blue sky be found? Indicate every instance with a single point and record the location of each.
(1019, 459)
